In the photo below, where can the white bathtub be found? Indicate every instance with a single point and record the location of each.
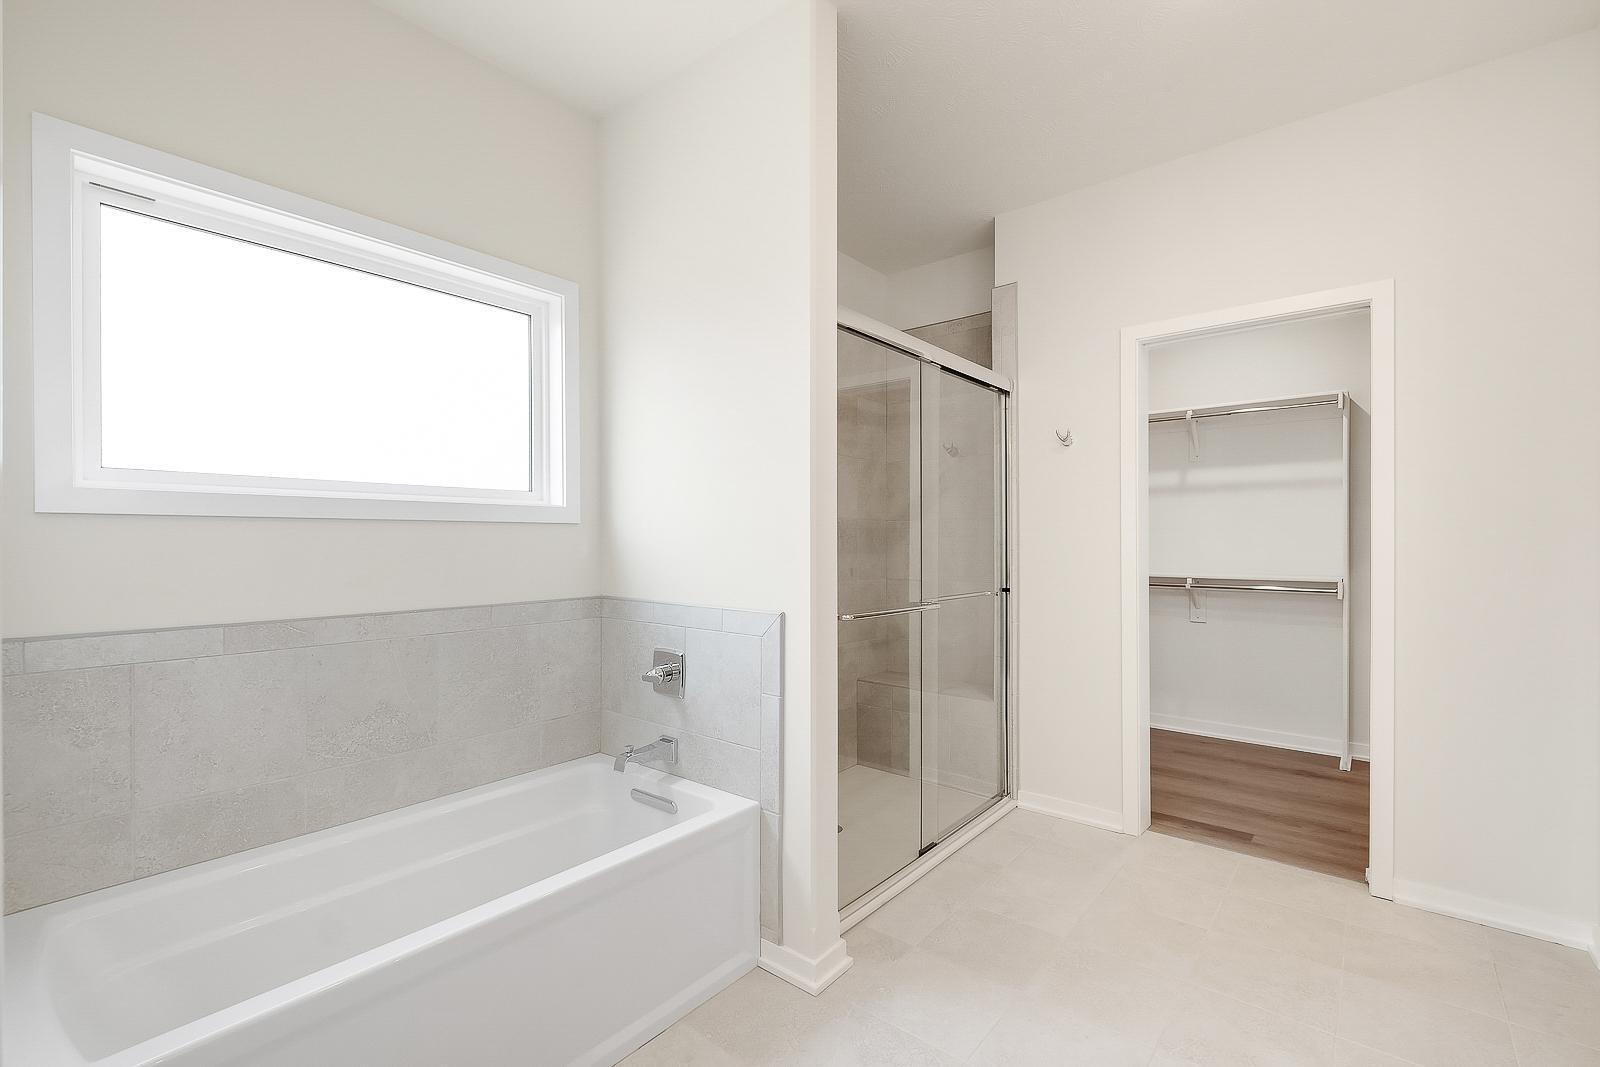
(546, 919)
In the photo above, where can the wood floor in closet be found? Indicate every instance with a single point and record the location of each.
(1293, 807)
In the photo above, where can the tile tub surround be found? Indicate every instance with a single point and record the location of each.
(729, 720)
(131, 754)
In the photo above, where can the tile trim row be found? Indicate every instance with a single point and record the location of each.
(42, 654)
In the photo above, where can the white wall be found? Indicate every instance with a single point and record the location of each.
(919, 296)
(3, 551)
(1316, 355)
(713, 493)
(1263, 668)
(367, 113)
(1476, 193)
(944, 289)
(863, 289)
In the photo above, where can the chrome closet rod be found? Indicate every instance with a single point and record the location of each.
(968, 596)
(1245, 410)
(926, 606)
(1263, 588)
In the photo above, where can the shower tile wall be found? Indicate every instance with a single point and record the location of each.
(879, 562)
(965, 751)
(131, 754)
(883, 734)
(729, 721)
(971, 337)
(879, 558)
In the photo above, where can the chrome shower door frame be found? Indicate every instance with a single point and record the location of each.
(938, 362)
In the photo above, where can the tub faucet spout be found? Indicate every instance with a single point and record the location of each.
(663, 748)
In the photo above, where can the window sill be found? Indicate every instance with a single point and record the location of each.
(94, 500)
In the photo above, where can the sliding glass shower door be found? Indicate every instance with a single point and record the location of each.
(922, 733)
(963, 736)
(881, 613)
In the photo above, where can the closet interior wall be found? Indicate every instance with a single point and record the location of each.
(1262, 667)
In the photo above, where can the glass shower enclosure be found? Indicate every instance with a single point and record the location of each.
(922, 606)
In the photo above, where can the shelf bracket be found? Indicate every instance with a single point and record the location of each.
(1194, 433)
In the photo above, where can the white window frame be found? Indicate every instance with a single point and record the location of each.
(75, 170)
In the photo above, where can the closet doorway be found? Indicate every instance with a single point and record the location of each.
(923, 739)
(1258, 587)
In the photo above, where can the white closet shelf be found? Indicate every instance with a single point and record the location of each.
(1316, 586)
(1336, 401)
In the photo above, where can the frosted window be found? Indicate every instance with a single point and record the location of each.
(219, 356)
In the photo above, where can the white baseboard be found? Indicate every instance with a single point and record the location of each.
(1574, 933)
(1088, 814)
(1227, 731)
(1594, 946)
(811, 975)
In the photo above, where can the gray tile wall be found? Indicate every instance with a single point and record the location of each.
(131, 754)
(729, 720)
(971, 337)
(879, 528)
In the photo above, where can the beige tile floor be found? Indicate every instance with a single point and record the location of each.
(1046, 942)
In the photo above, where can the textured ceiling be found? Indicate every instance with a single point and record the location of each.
(954, 111)
(594, 54)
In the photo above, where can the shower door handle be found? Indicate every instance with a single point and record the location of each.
(926, 605)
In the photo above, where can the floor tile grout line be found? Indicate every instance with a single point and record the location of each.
(1542, 1031)
(1450, 1004)
(1381, 1052)
(1338, 1011)
(986, 1035)
(1494, 965)
(1505, 1004)
(1274, 1013)
(1511, 1034)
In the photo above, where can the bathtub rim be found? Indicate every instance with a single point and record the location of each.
(28, 932)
